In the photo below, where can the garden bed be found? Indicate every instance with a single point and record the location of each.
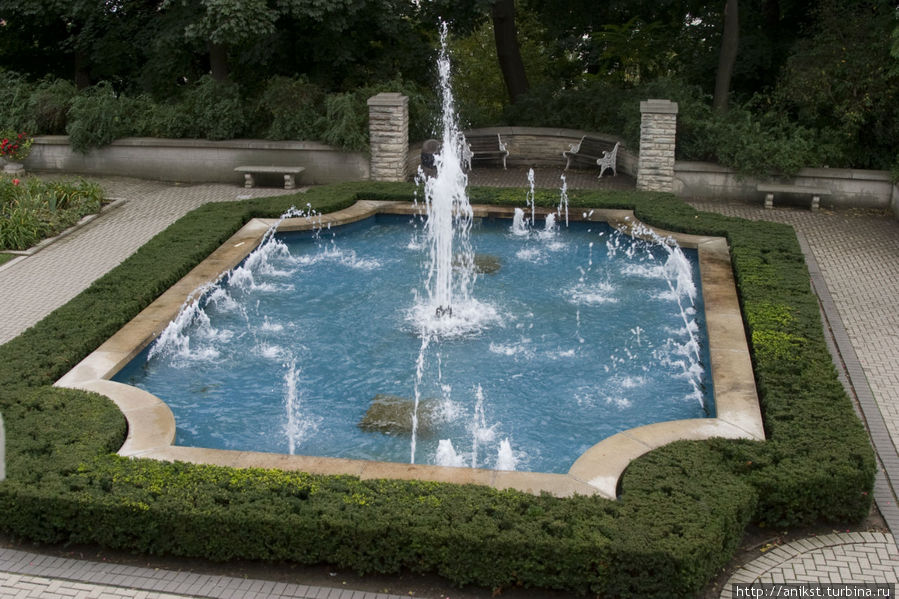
(681, 512)
(33, 210)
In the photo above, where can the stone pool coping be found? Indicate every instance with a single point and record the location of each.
(151, 424)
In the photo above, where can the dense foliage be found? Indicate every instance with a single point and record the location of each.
(286, 108)
(814, 83)
(681, 511)
(32, 209)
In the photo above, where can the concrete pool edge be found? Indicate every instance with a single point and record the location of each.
(151, 425)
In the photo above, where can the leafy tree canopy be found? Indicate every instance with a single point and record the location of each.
(824, 72)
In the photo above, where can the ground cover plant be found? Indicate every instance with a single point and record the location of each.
(680, 515)
(32, 209)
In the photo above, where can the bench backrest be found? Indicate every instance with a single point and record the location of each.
(595, 147)
(487, 143)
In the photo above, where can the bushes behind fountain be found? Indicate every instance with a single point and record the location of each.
(682, 508)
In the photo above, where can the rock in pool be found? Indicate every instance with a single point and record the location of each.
(392, 415)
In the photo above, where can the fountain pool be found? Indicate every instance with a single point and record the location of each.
(151, 424)
(310, 346)
(559, 342)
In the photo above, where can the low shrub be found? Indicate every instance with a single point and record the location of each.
(97, 118)
(294, 106)
(681, 511)
(212, 110)
(49, 104)
(345, 121)
(14, 94)
(287, 108)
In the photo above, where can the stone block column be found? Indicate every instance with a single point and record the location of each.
(658, 129)
(388, 127)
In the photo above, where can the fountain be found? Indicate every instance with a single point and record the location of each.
(522, 366)
(448, 210)
(547, 354)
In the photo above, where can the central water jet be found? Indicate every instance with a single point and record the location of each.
(449, 212)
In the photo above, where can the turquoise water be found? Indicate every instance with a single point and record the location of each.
(579, 334)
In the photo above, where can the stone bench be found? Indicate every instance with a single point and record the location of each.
(769, 189)
(289, 172)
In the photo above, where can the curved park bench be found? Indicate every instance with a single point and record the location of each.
(289, 172)
(483, 147)
(771, 188)
(593, 149)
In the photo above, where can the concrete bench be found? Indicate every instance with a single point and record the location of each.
(769, 189)
(595, 150)
(488, 146)
(289, 172)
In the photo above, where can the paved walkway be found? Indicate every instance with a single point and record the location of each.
(26, 575)
(854, 259)
(836, 558)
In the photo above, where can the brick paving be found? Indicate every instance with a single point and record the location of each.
(26, 575)
(549, 178)
(860, 557)
(855, 256)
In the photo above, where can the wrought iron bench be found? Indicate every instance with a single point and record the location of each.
(483, 147)
(289, 172)
(771, 188)
(594, 150)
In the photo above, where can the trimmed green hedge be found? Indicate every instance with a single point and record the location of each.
(683, 507)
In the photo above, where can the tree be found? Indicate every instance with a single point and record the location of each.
(508, 51)
(729, 43)
(224, 24)
(843, 82)
(337, 43)
(82, 40)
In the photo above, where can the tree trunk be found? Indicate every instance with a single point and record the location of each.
(505, 33)
(771, 9)
(729, 42)
(82, 77)
(218, 61)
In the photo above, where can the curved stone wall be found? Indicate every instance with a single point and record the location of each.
(197, 160)
(537, 147)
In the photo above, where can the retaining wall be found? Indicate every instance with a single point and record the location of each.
(199, 161)
(855, 188)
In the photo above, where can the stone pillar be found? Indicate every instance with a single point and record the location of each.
(388, 126)
(658, 129)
